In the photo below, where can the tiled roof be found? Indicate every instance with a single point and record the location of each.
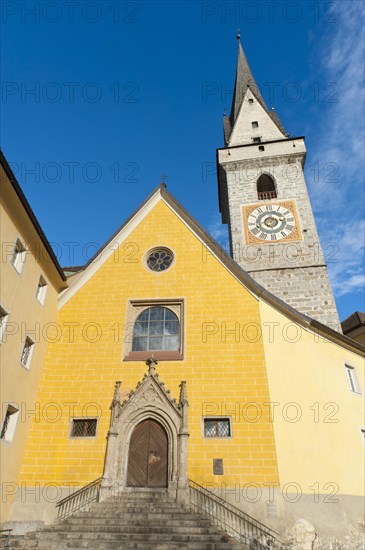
(355, 320)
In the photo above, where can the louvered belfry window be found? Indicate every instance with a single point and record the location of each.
(83, 427)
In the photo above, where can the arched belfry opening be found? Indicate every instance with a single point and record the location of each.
(266, 188)
(147, 443)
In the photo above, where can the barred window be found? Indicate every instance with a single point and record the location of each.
(27, 353)
(9, 423)
(83, 427)
(217, 427)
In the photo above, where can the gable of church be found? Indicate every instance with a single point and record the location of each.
(220, 356)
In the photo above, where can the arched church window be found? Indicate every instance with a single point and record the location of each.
(156, 328)
(266, 187)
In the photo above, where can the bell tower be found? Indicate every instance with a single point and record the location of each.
(263, 198)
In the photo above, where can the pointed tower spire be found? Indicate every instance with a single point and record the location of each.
(244, 81)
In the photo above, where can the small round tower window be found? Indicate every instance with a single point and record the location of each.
(159, 259)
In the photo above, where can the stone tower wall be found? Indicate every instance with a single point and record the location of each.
(294, 271)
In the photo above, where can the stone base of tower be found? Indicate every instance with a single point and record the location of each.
(306, 289)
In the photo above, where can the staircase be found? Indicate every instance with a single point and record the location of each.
(140, 520)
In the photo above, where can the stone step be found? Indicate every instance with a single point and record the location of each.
(140, 516)
(140, 502)
(123, 536)
(130, 545)
(104, 543)
(123, 524)
(133, 507)
(142, 495)
(128, 528)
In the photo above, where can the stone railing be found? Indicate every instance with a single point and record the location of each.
(236, 523)
(266, 195)
(79, 500)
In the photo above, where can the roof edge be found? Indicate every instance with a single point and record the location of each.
(261, 143)
(32, 216)
(142, 204)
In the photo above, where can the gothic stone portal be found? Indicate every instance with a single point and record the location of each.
(148, 454)
(148, 439)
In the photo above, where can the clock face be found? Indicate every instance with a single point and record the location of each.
(271, 222)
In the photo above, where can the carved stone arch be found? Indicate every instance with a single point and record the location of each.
(150, 400)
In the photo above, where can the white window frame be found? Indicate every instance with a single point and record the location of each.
(4, 316)
(28, 342)
(229, 418)
(83, 436)
(352, 379)
(13, 413)
(41, 290)
(18, 257)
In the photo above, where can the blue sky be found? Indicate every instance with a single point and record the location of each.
(100, 98)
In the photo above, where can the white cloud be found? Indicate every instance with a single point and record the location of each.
(339, 130)
(218, 231)
(345, 249)
(338, 152)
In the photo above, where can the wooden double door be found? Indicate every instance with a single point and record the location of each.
(148, 455)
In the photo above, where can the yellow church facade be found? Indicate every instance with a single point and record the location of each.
(263, 372)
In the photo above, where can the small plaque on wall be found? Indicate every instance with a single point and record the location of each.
(218, 466)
